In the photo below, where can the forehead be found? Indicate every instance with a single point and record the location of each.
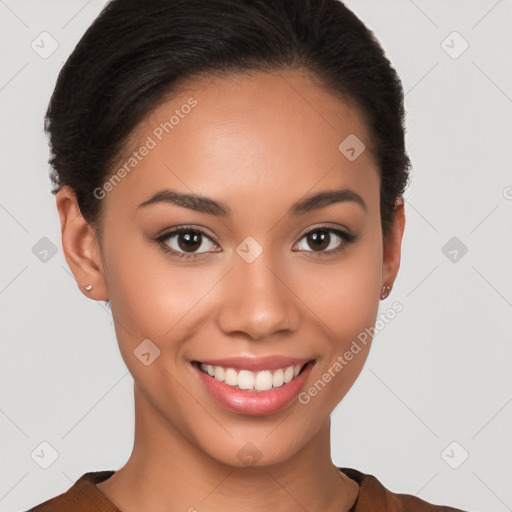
(275, 134)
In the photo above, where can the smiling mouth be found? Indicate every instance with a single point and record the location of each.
(247, 380)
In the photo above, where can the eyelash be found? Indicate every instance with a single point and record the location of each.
(161, 239)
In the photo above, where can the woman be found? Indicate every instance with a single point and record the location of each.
(229, 177)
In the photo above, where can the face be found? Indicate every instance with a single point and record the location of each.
(250, 283)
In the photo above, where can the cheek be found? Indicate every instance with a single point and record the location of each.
(152, 296)
(138, 289)
(345, 295)
(346, 300)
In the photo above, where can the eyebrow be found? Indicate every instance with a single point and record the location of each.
(206, 205)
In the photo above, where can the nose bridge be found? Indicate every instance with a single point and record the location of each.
(256, 299)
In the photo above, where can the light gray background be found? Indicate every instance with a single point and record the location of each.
(438, 373)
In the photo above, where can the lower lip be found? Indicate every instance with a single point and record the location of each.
(255, 403)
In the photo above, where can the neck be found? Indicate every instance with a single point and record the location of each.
(167, 471)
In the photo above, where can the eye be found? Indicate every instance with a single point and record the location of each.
(184, 242)
(326, 241)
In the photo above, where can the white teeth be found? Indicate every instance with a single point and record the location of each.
(278, 378)
(252, 381)
(288, 374)
(219, 373)
(231, 377)
(263, 381)
(245, 379)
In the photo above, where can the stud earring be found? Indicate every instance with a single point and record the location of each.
(88, 287)
(385, 292)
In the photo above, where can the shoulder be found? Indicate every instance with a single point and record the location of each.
(82, 495)
(373, 496)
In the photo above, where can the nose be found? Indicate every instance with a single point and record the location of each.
(257, 300)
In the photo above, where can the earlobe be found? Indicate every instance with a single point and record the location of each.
(80, 246)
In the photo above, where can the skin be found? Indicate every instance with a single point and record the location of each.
(258, 143)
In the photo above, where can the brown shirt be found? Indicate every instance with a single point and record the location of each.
(84, 496)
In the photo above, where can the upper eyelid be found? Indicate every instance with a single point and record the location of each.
(327, 228)
(166, 233)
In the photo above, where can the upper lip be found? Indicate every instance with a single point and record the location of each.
(256, 364)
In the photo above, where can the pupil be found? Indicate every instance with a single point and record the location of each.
(320, 241)
(192, 242)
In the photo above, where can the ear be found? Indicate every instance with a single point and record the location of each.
(393, 245)
(80, 246)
